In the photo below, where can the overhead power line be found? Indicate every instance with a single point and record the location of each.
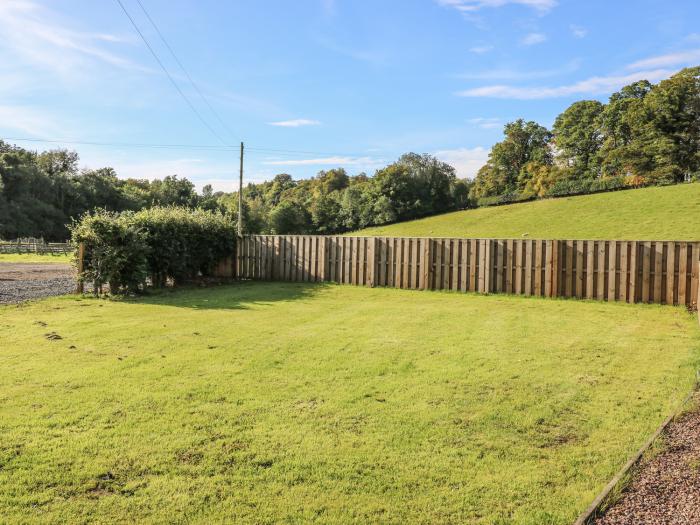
(204, 147)
(184, 70)
(167, 73)
(124, 144)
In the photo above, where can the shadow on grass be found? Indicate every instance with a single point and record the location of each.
(233, 296)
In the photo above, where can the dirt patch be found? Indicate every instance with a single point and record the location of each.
(665, 489)
(25, 281)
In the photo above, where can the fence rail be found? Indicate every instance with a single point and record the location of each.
(31, 245)
(664, 272)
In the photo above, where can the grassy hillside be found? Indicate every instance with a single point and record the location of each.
(670, 212)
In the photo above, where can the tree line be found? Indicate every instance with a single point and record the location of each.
(646, 134)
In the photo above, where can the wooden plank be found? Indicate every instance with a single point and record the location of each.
(445, 266)
(695, 276)
(464, 265)
(260, 241)
(646, 274)
(634, 272)
(313, 258)
(670, 272)
(426, 264)
(250, 254)
(548, 269)
(322, 258)
(612, 271)
(330, 274)
(482, 263)
(271, 257)
(569, 287)
(279, 262)
(518, 267)
(438, 247)
(590, 269)
(538, 268)
(415, 263)
(578, 272)
(499, 248)
(488, 265)
(658, 270)
(372, 262)
(381, 281)
(473, 264)
(556, 250)
(301, 257)
(509, 266)
(456, 244)
(264, 257)
(683, 273)
(249, 258)
(602, 270)
(405, 263)
(624, 272)
(528, 267)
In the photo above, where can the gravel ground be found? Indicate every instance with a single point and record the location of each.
(666, 488)
(24, 281)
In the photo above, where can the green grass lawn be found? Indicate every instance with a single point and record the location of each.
(293, 403)
(35, 258)
(666, 213)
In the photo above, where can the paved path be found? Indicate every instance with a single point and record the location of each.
(24, 281)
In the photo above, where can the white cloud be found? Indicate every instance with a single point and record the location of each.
(36, 34)
(589, 86)
(486, 122)
(533, 38)
(578, 31)
(480, 50)
(671, 59)
(467, 6)
(515, 74)
(295, 123)
(465, 160)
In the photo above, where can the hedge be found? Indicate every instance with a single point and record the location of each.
(131, 250)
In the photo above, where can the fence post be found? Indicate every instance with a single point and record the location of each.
(80, 288)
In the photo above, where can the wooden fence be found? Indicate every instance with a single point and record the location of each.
(663, 272)
(31, 245)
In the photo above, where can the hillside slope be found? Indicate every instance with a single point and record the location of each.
(671, 212)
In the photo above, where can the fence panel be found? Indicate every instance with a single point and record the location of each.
(664, 272)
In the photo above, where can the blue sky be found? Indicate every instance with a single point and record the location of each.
(350, 83)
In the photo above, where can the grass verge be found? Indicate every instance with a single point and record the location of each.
(35, 258)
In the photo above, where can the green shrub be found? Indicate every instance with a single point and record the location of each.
(174, 244)
(115, 251)
(504, 198)
(563, 188)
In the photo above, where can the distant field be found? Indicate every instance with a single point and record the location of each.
(294, 403)
(35, 258)
(671, 212)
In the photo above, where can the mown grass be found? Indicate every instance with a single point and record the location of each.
(665, 213)
(270, 402)
(35, 258)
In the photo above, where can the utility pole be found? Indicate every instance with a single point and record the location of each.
(240, 197)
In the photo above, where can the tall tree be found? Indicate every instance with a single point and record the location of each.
(578, 138)
(504, 172)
